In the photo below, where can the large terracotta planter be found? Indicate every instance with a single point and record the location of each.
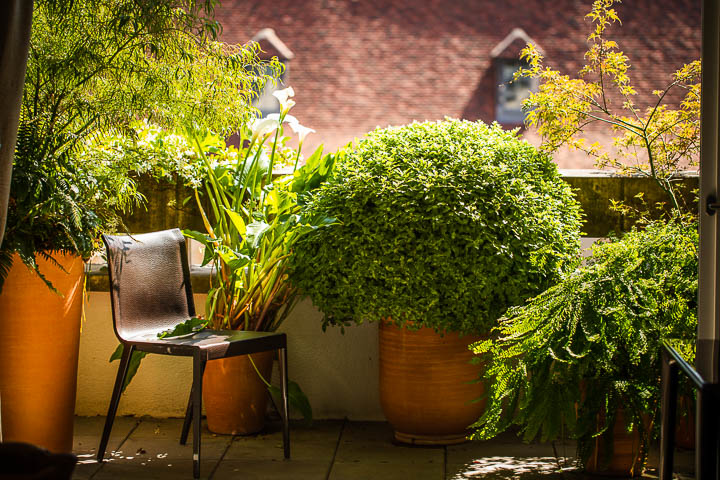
(626, 460)
(39, 347)
(427, 385)
(235, 398)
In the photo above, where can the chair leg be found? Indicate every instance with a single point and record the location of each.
(282, 360)
(188, 419)
(115, 400)
(199, 361)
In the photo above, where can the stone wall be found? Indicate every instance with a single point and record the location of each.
(170, 206)
(595, 189)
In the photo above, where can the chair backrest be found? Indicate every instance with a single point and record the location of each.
(150, 286)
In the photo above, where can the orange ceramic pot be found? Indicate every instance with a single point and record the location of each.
(39, 348)
(627, 457)
(235, 398)
(428, 387)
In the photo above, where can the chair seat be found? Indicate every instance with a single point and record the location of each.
(216, 343)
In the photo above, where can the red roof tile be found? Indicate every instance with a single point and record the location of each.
(365, 63)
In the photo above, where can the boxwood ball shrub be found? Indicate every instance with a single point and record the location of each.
(442, 224)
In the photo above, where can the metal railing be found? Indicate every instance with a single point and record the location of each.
(707, 424)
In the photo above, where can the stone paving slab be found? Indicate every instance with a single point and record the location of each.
(148, 448)
(366, 451)
(273, 469)
(312, 448)
(153, 450)
(307, 442)
(507, 457)
(88, 431)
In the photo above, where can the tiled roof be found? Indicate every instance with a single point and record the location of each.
(365, 63)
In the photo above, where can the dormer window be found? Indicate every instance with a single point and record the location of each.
(264, 100)
(511, 93)
(271, 46)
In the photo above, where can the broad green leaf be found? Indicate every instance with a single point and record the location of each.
(237, 220)
(255, 232)
(190, 326)
(133, 366)
(235, 261)
(296, 399)
(200, 237)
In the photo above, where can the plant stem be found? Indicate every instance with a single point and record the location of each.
(267, 384)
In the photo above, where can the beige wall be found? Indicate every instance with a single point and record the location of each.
(339, 373)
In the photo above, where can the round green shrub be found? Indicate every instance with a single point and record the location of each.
(442, 224)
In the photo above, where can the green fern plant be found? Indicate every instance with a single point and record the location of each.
(590, 345)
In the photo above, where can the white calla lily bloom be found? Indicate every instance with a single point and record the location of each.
(287, 119)
(262, 126)
(283, 97)
(301, 130)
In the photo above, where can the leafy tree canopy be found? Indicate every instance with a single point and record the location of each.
(656, 141)
(95, 67)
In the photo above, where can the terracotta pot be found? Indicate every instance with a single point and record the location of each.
(39, 352)
(427, 387)
(235, 398)
(627, 457)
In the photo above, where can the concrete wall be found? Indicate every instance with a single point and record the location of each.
(338, 372)
(595, 189)
(167, 208)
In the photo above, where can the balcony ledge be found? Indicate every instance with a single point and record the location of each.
(97, 278)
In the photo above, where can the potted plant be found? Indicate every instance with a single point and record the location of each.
(441, 227)
(93, 67)
(583, 357)
(252, 226)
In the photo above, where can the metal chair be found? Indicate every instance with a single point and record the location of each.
(150, 292)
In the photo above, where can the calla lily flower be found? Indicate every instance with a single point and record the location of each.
(286, 119)
(301, 131)
(262, 126)
(283, 96)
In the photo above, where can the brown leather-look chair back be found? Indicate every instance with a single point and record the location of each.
(152, 272)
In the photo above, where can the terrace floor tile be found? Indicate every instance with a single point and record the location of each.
(148, 448)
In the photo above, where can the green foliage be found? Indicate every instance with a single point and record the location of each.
(591, 344)
(253, 224)
(94, 67)
(135, 360)
(443, 224)
(150, 149)
(189, 327)
(296, 399)
(655, 141)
